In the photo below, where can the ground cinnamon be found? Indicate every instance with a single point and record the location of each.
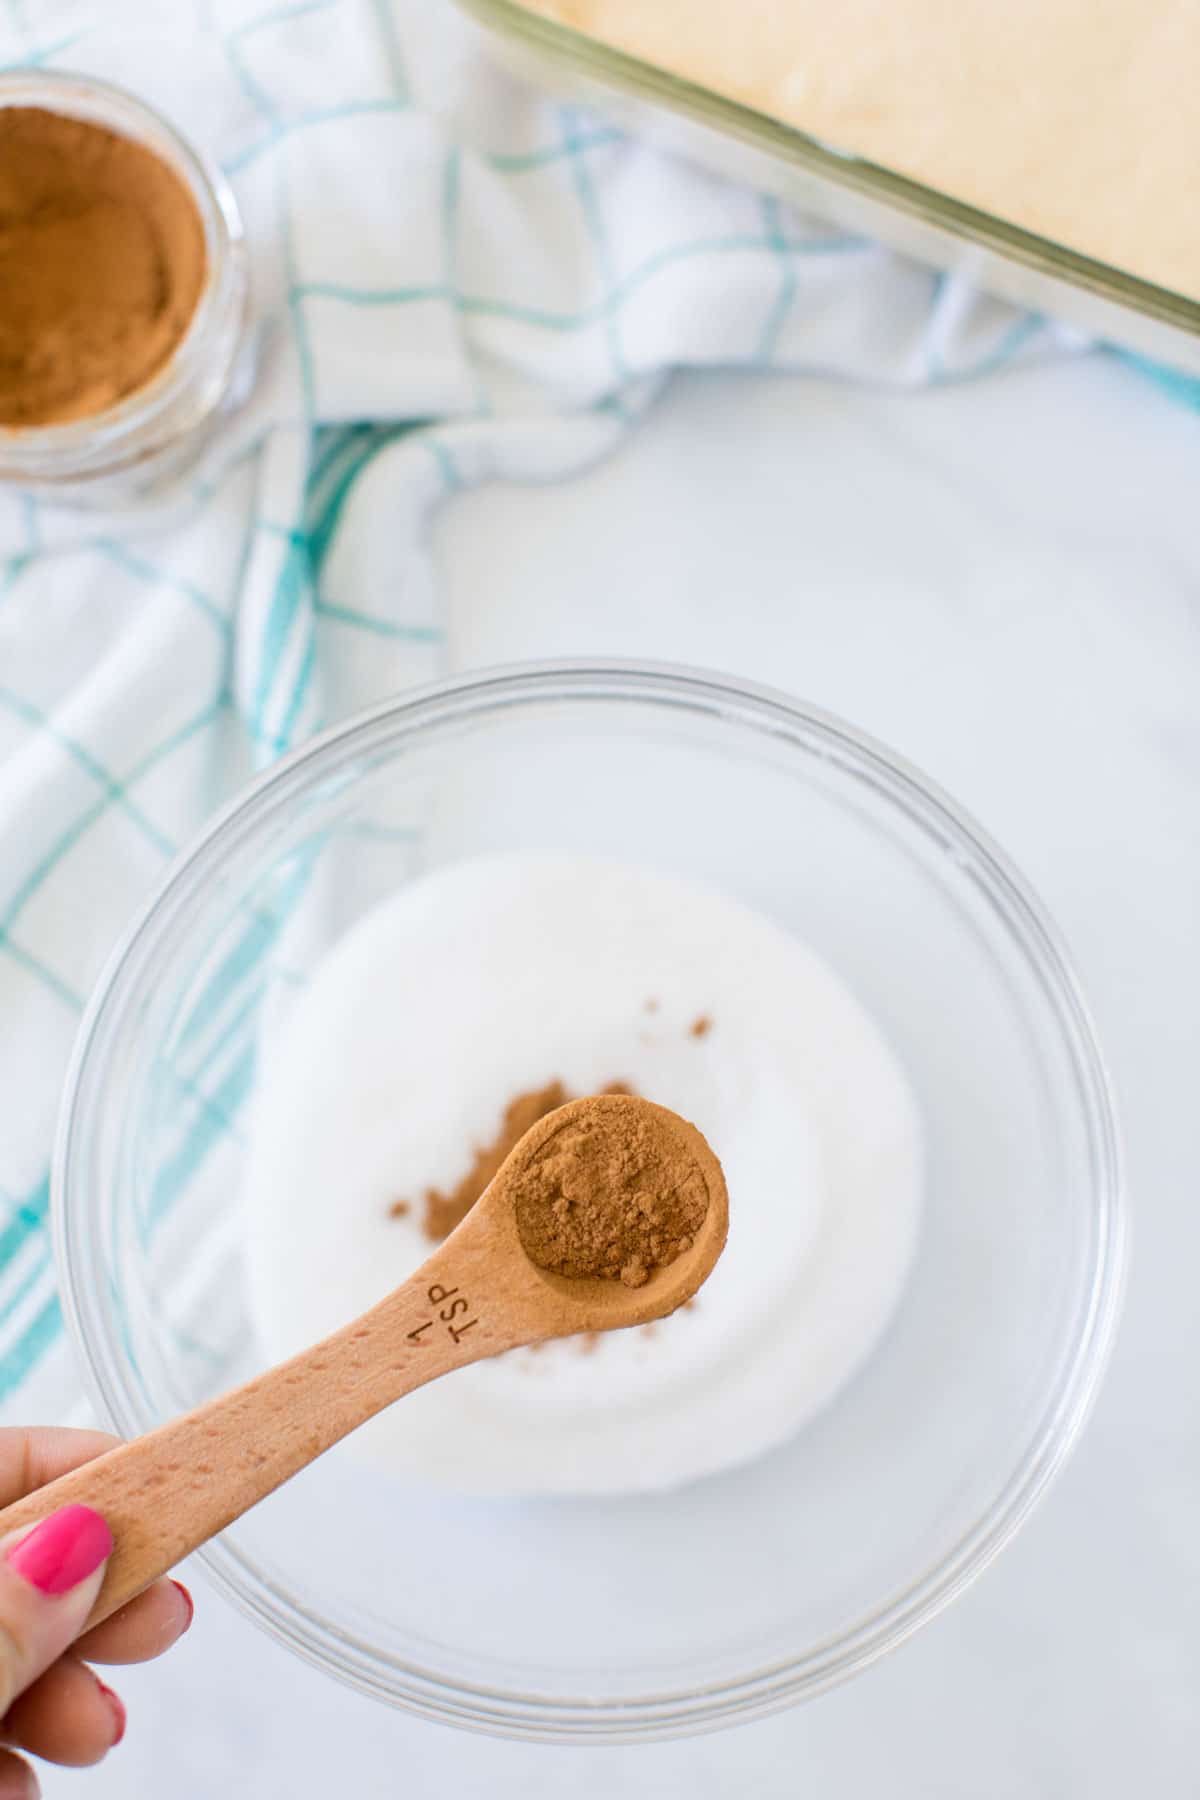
(102, 264)
(612, 1195)
(446, 1210)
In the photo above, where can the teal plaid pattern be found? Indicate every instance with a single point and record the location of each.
(455, 280)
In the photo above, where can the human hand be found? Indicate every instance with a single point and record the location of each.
(51, 1703)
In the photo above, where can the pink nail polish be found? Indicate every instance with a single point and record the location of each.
(63, 1550)
(187, 1601)
(116, 1707)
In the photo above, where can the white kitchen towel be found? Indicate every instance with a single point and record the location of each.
(455, 280)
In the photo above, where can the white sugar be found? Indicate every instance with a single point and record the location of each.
(495, 976)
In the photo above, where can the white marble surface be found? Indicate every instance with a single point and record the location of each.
(1004, 582)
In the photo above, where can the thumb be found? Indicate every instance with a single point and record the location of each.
(49, 1579)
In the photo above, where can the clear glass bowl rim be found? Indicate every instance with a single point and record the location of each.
(146, 948)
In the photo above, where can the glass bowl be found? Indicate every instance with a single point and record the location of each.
(655, 1615)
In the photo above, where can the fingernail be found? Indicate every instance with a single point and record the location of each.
(116, 1707)
(63, 1550)
(187, 1601)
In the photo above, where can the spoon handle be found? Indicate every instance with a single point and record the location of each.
(168, 1492)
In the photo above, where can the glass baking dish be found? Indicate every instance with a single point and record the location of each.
(861, 196)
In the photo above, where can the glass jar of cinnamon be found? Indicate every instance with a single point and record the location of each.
(123, 292)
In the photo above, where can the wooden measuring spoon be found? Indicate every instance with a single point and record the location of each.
(165, 1494)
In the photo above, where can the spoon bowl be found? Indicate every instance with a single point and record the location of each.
(561, 1305)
